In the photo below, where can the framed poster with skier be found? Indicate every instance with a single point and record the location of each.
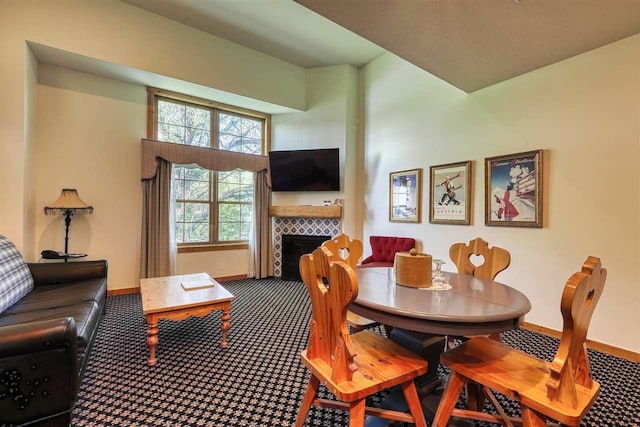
(513, 190)
(450, 194)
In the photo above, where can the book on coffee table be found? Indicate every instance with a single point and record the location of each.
(197, 282)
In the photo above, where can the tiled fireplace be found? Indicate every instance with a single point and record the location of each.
(299, 226)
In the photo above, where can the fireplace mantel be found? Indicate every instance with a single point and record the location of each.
(306, 211)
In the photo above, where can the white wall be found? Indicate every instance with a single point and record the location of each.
(328, 122)
(113, 34)
(30, 186)
(218, 264)
(88, 137)
(77, 130)
(584, 112)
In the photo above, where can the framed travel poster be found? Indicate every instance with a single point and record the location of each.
(450, 194)
(513, 190)
(405, 192)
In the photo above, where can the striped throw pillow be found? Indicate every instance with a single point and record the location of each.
(15, 277)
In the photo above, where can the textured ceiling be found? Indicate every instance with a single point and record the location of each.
(470, 44)
(473, 44)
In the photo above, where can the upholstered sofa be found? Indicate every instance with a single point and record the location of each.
(384, 248)
(49, 316)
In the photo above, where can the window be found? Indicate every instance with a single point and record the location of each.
(211, 207)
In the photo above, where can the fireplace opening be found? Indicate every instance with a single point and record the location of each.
(293, 247)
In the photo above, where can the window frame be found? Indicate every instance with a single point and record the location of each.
(153, 96)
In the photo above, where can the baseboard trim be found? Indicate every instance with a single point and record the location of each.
(594, 345)
(229, 278)
(123, 291)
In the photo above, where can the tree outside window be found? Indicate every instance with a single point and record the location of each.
(210, 207)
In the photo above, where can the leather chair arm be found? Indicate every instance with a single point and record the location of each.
(43, 335)
(62, 272)
(367, 260)
(38, 370)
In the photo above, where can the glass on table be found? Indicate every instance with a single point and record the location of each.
(438, 278)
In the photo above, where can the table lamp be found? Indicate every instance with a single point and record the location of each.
(69, 204)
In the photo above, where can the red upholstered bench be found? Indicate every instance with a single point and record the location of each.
(384, 250)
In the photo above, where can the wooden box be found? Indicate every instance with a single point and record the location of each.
(413, 269)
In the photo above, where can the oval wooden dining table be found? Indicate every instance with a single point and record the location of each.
(472, 306)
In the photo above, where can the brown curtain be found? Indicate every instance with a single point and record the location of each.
(260, 253)
(158, 245)
(158, 242)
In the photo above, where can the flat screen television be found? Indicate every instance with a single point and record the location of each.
(305, 170)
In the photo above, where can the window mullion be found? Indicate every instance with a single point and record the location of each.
(214, 128)
(213, 207)
(213, 226)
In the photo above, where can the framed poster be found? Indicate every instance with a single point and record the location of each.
(513, 190)
(405, 192)
(450, 194)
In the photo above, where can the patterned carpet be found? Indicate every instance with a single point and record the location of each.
(259, 379)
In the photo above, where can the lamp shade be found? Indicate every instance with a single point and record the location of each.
(69, 200)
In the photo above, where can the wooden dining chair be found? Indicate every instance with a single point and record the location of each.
(347, 249)
(352, 367)
(562, 390)
(350, 251)
(495, 259)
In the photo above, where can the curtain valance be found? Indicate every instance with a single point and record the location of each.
(208, 158)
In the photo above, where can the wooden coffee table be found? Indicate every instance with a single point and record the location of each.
(165, 298)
